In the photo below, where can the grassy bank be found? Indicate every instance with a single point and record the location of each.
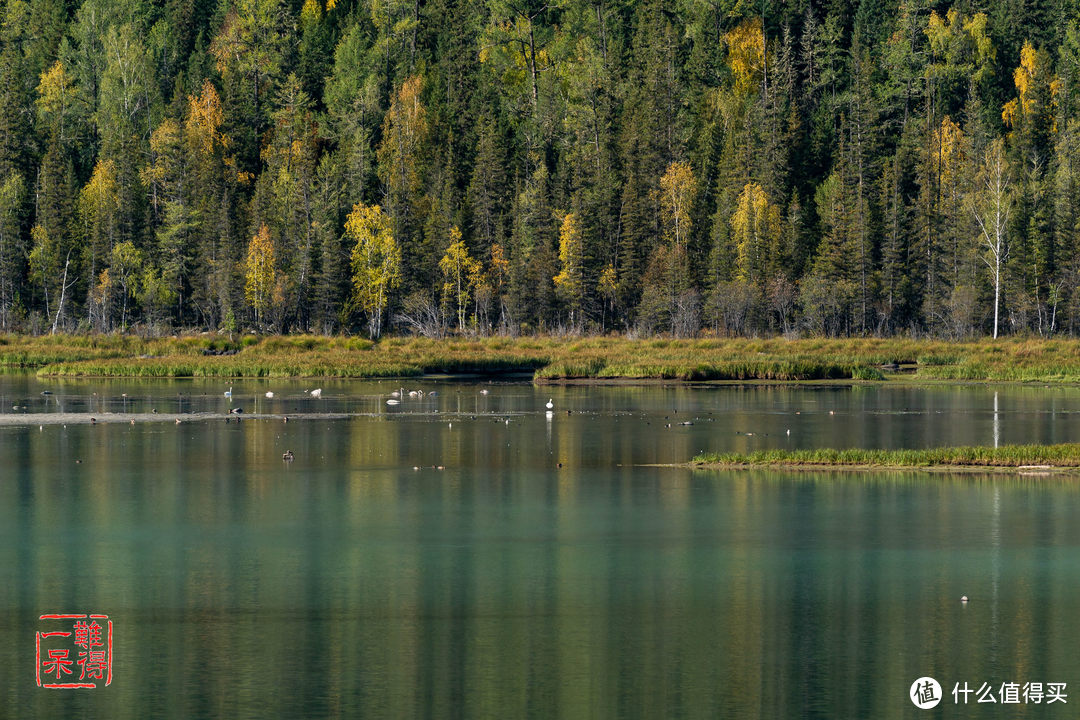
(550, 359)
(1067, 455)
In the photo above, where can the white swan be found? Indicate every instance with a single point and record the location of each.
(413, 393)
(269, 394)
(483, 392)
(550, 404)
(392, 401)
(228, 393)
(317, 392)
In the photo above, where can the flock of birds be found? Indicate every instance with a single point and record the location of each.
(395, 399)
(397, 395)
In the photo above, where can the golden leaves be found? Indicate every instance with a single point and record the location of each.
(746, 54)
(570, 255)
(55, 89)
(1036, 89)
(311, 12)
(404, 131)
(756, 226)
(462, 273)
(949, 160)
(679, 189)
(205, 119)
(260, 271)
(376, 257)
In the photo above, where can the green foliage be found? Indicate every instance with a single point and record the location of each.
(848, 169)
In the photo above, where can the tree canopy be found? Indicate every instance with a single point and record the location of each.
(644, 166)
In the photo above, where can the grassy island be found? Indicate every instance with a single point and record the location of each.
(548, 359)
(1008, 456)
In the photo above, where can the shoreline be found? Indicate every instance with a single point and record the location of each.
(1022, 470)
(550, 360)
(1064, 457)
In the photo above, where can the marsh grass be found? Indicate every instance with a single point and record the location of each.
(1066, 455)
(1017, 360)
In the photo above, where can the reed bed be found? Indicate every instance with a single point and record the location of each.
(550, 359)
(1066, 455)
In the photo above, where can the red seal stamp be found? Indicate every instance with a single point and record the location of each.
(73, 644)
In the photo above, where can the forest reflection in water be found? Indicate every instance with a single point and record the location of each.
(347, 583)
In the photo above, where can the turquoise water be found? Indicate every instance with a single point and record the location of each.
(347, 583)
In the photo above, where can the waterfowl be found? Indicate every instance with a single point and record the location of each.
(392, 401)
(316, 392)
(550, 404)
(398, 393)
(236, 410)
(269, 394)
(287, 455)
(228, 393)
(413, 393)
(93, 421)
(483, 392)
(177, 421)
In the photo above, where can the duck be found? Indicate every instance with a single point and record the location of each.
(483, 392)
(287, 455)
(317, 392)
(236, 411)
(177, 421)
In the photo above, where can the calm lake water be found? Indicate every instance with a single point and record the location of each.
(347, 583)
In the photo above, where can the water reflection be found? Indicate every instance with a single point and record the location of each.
(346, 583)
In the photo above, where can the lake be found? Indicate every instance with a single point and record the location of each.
(360, 579)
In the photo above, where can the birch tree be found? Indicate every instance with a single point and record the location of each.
(376, 261)
(991, 205)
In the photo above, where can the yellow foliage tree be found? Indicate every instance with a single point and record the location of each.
(461, 273)
(99, 208)
(55, 93)
(609, 290)
(260, 273)
(404, 130)
(757, 231)
(376, 261)
(679, 189)
(1036, 89)
(204, 121)
(570, 281)
(746, 54)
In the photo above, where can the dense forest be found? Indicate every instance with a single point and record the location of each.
(846, 167)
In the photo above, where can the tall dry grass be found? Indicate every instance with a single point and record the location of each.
(549, 358)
